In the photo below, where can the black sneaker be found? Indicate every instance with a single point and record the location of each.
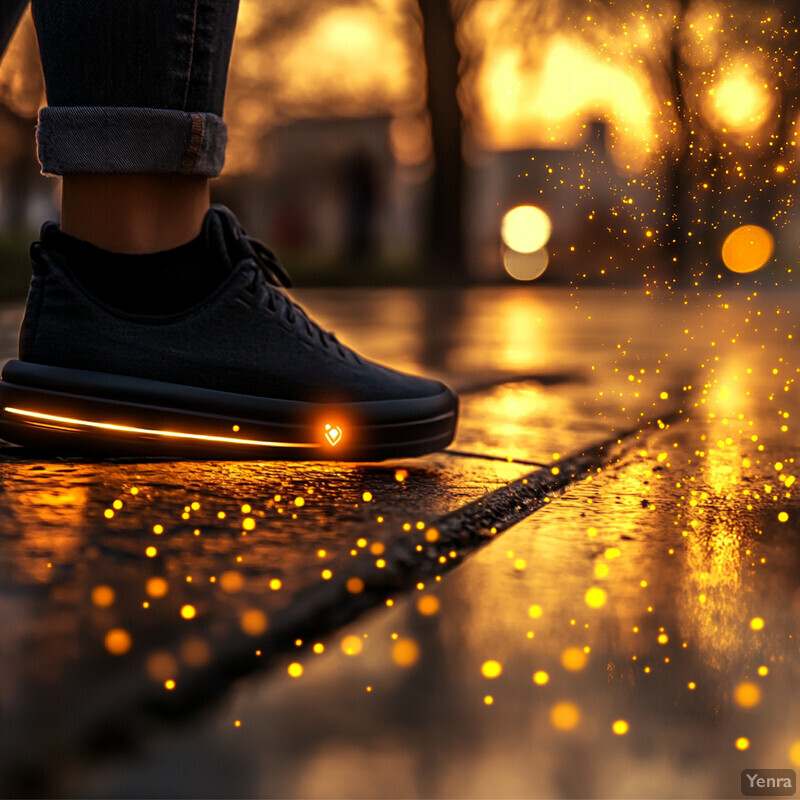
(243, 374)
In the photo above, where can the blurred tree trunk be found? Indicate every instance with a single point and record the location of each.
(678, 177)
(445, 229)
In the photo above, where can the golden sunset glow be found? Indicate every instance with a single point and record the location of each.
(21, 86)
(365, 62)
(357, 54)
(547, 102)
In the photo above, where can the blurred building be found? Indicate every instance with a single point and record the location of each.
(334, 199)
(338, 206)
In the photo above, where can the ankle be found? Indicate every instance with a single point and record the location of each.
(162, 282)
(134, 213)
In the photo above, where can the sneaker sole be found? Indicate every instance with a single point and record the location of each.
(77, 412)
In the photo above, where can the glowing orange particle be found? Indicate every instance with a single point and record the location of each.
(747, 694)
(573, 659)
(620, 727)
(103, 596)
(565, 716)
(118, 641)
(253, 622)
(231, 582)
(352, 645)
(405, 652)
(355, 585)
(491, 669)
(156, 587)
(428, 605)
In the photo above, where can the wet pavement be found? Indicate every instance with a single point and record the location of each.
(594, 594)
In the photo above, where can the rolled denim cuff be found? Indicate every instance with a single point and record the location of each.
(102, 140)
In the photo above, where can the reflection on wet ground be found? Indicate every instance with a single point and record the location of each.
(635, 637)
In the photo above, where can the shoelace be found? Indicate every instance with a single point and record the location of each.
(275, 274)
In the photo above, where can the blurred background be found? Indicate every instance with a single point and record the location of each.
(424, 141)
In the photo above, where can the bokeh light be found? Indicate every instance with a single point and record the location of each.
(428, 605)
(354, 585)
(156, 587)
(573, 659)
(740, 101)
(195, 652)
(747, 249)
(526, 266)
(118, 641)
(253, 622)
(405, 653)
(161, 665)
(231, 582)
(491, 669)
(526, 229)
(295, 669)
(620, 727)
(595, 597)
(747, 694)
(565, 716)
(103, 596)
(352, 645)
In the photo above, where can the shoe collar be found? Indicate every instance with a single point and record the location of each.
(241, 247)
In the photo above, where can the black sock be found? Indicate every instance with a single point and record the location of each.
(154, 283)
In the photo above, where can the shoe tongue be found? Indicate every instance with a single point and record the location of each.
(219, 238)
(48, 231)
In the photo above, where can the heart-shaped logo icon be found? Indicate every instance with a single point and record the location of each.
(333, 433)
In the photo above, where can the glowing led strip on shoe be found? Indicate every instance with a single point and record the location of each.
(107, 426)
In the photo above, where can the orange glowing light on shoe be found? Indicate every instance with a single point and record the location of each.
(333, 433)
(34, 416)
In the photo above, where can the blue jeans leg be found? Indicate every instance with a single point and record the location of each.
(134, 87)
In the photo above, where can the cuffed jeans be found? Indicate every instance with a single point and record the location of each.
(133, 86)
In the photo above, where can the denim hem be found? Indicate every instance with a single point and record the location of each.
(103, 140)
